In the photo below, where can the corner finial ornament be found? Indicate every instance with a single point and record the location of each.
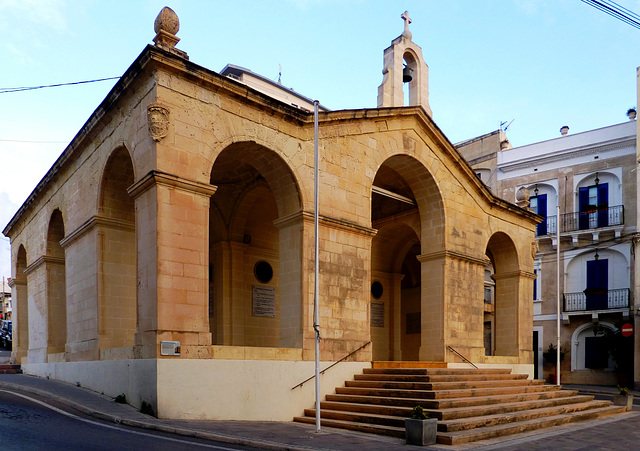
(407, 20)
(166, 27)
(158, 119)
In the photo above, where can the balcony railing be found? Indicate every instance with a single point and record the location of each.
(596, 300)
(571, 222)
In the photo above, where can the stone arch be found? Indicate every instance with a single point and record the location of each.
(413, 63)
(503, 254)
(117, 266)
(408, 211)
(255, 218)
(56, 285)
(578, 344)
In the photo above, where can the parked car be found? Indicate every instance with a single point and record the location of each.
(6, 334)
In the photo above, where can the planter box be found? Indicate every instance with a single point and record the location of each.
(420, 432)
(623, 400)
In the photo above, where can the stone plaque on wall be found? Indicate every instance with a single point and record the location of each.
(377, 314)
(413, 323)
(264, 301)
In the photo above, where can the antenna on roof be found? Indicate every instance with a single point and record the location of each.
(279, 73)
(505, 122)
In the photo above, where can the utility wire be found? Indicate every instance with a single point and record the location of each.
(616, 11)
(31, 88)
(32, 142)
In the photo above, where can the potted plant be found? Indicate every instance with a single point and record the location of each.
(590, 208)
(419, 429)
(551, 354)
(623, 398)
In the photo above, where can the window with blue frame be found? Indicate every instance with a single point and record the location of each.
(594, 206)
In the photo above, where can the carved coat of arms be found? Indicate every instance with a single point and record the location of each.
(158, 118)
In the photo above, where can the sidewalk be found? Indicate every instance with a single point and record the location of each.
(619, 432)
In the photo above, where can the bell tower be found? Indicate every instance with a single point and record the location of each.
(404, 65)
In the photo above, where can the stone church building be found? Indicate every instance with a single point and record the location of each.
(168, 254)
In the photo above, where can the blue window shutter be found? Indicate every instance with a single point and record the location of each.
(583, 200)
(597, 284)
(603, 199)
(542, 211)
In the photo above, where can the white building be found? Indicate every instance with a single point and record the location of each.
(592, 176)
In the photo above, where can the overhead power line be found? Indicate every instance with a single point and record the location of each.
(31, 88)
(615, 10)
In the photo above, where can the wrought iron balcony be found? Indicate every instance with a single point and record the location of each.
(584, 220)
(596, 300)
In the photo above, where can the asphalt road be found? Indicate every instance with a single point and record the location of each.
(27, 423)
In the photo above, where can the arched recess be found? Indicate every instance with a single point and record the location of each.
(410, 62)
(503, 255)
(56, 286)
(589, 349)
(20, 308)
(255, 249)
(117, 253)
(408, 212)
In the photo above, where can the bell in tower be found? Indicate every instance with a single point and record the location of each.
(404, 68)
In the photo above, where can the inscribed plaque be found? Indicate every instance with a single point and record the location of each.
(264, 301)
(377, 314)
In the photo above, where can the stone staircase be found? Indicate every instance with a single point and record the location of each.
(10, 369)
(470, 404)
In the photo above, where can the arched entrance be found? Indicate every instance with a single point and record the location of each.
(255, 245)
(502, 254)
(406, 205)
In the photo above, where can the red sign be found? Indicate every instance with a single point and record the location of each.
(627, 330)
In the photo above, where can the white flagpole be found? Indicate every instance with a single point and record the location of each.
(558, 292)
(316, 309)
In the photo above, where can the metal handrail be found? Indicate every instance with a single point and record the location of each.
(462, 357)
(331, 366)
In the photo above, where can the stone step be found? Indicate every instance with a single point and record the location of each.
(438, 378)
(461, 424)
(461, 385)
(550, 393)
(469, 405)
(442, 394)
(480, 410)
(436, 371)
(395, 409)
(358, 417)
(377, 409)
(472, 435)
(379, 429)
(10, 369)
(407, 364)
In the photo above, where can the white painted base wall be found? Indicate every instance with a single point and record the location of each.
(257, 390)
(135, 378)
(244, 389)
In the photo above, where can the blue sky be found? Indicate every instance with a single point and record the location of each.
(541, 63)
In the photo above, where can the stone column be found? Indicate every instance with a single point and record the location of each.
(20, 318)
(173, 259)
